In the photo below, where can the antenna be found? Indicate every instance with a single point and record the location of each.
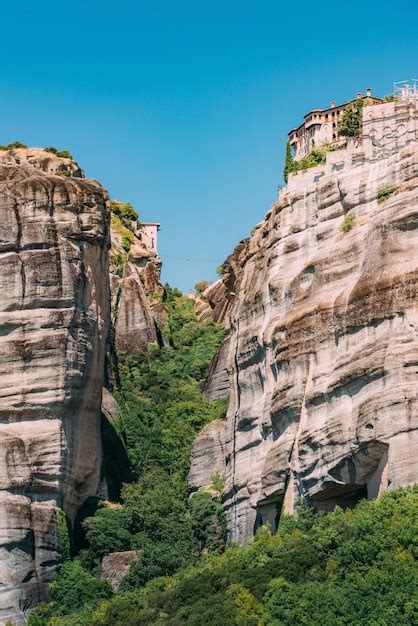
(406, 89)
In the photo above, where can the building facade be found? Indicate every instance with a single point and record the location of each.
(320, 127)
(387, 128)
(148, 233)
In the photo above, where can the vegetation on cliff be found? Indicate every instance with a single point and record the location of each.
(289, 163)
(64, 154)
(13, 145)
(162, 411)
(124, 211)
(355, 567)
(313, 159)
(350, 124)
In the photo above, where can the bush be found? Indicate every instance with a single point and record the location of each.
(383, 194)
(63, 530)
(162, 409)
(218, 482)
(119, 259)
(107, 531)
(315, 158)
(208, 521)
(200, 287)
(124, 211)
(73, 589)
(156, 507)
(64, 154)
(127, 239)
(348, 222)
(347, 567)
(13, 146)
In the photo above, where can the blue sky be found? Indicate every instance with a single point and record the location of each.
(183, 108)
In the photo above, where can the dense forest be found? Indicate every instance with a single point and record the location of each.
(346, 567)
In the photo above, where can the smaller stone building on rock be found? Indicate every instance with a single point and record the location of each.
(148, 233)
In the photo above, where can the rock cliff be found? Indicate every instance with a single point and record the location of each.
(54, 319)
(137, 309)
(322, 350)
(220, 298)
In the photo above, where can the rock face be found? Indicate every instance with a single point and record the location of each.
(54, 317)
(116, 565)
(137, 310)
(322, 354)
(220, 298)
(208, 455)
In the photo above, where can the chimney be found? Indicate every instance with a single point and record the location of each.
(359, 95)
(333, 105)
(368, 92)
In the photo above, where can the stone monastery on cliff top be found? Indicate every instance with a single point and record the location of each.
(320, 126)
(320, 359)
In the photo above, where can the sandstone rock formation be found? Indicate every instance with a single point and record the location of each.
(54, 317)
(322, 354)
(116, 565)
(220, 297)
(208, 455)
(110, 407)
(137, 310)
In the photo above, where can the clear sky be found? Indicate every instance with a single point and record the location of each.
(183, 108)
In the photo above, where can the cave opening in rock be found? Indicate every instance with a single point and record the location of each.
(344, 496)
(268, 512)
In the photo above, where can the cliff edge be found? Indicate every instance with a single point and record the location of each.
(322, 351)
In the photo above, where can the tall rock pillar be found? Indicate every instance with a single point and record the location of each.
(54, 316)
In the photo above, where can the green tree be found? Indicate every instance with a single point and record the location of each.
(64, 154)
(161, 527)
(351, 120)
(347, 567)
(107, 531)
(63, 535)
(124, 211)
(200, 287)
(208, 522)
(71, 591)
(288, 162)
